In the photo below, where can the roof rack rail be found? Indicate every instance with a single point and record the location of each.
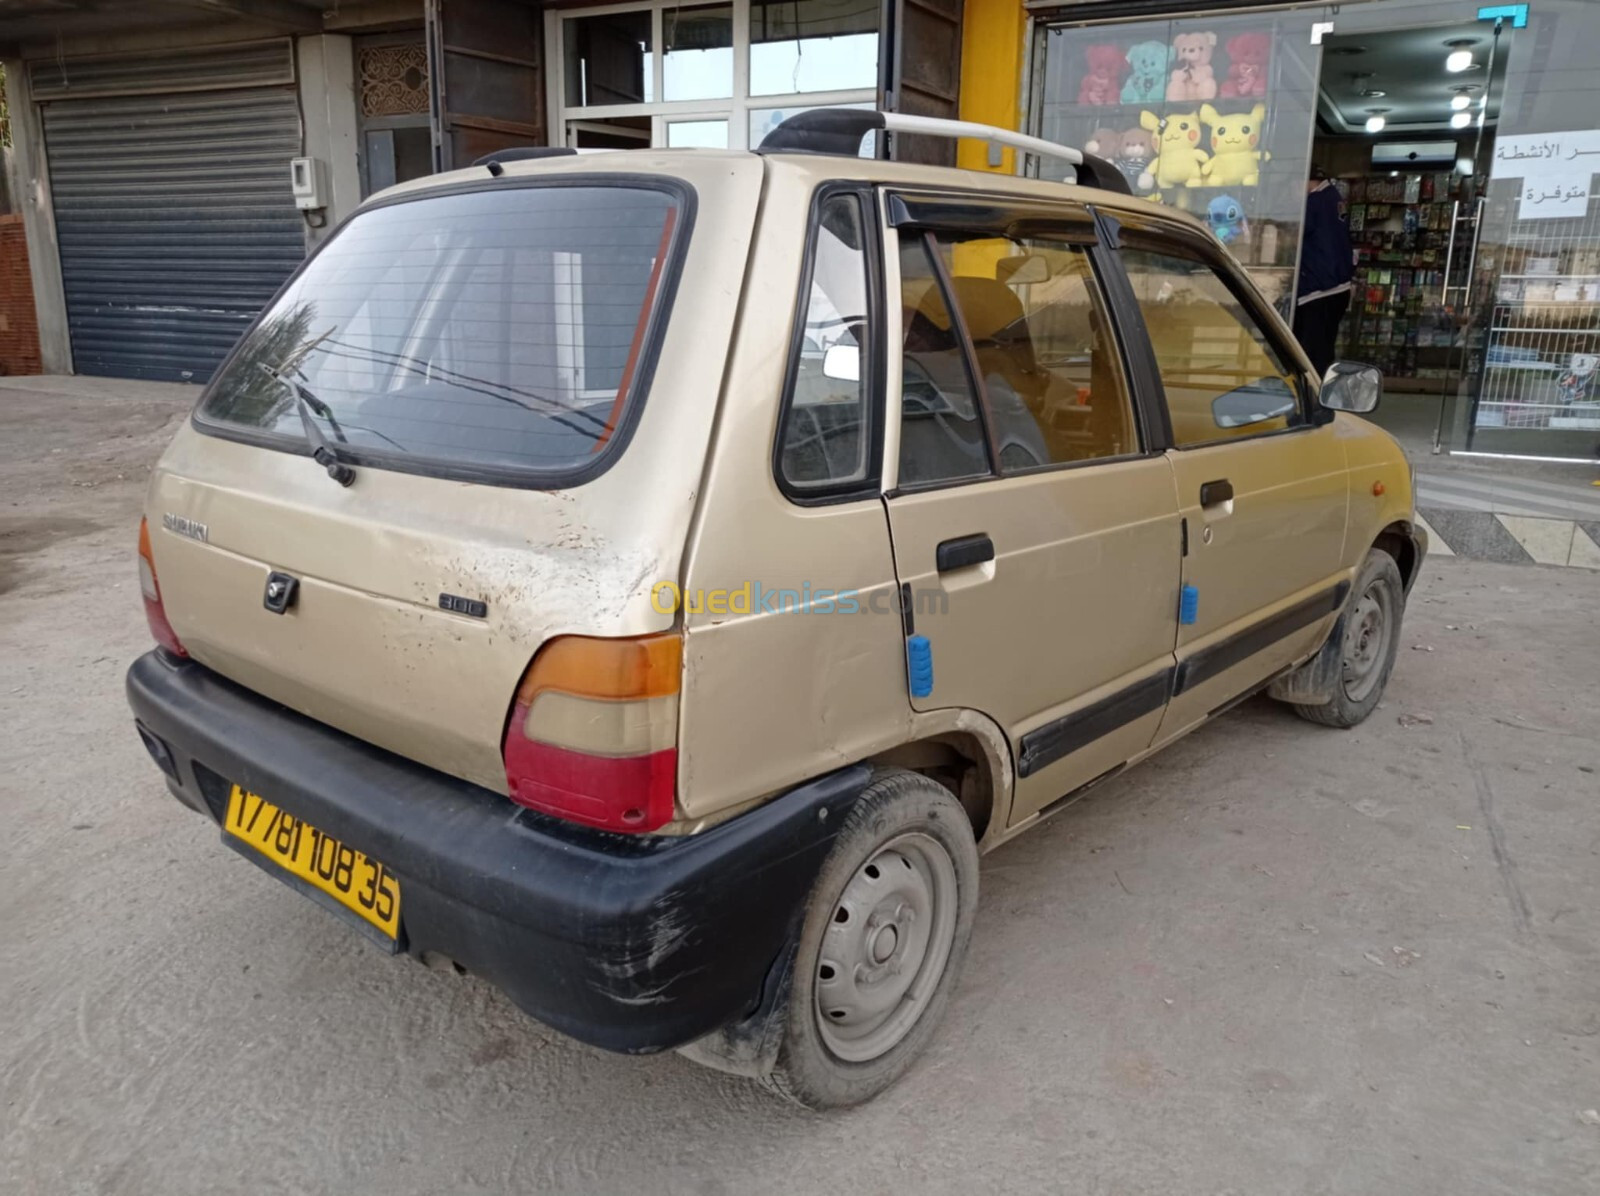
(838, 131)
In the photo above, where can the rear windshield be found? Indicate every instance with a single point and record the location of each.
(499, 331)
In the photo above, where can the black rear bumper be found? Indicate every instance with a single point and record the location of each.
(631, 944)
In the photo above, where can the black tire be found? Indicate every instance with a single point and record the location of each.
(1363, 674)
(900, 817)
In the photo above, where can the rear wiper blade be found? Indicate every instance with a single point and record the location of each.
(323, 453)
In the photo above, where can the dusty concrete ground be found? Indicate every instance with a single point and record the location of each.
(1277, 959)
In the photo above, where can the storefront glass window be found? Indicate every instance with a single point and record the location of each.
(710, 74)
(608, 60)
(1210, 115)
(704, 134)
(812, 45)
(699, 53)
(1503, 355)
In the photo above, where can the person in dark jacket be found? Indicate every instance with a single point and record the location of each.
(1327, 266)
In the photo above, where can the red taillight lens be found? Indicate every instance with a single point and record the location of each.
(593, 731)
(150, 591)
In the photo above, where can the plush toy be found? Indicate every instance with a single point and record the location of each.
(1192, 77)
(1234, 137)
(1147, 83)
(1247, 66)
(1104, 80)
(1227, 220)
(1179, 158)
(1136, 149)
(1104, 143)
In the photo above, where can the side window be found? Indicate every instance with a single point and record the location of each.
(1048, 387)
(826, 435)
(1222, 377)
(941, 429)
(1043, 349)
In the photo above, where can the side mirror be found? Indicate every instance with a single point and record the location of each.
(1351, 386)
(842, 363)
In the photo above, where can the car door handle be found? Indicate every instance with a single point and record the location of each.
(963, 551)
(1214, 493)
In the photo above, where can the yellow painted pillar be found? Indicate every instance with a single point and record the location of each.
(992, 33)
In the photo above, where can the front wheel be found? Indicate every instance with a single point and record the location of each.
(1370, 637)
(884, 936)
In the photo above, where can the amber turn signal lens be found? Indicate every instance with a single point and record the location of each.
(647, 667)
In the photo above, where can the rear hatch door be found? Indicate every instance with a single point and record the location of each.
(480, 356)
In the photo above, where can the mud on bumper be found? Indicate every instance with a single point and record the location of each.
(630, 944)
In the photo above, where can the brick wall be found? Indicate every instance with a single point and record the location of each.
(19, 326)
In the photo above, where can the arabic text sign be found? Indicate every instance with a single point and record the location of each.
(1556, 170)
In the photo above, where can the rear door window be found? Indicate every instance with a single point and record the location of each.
(504, 333)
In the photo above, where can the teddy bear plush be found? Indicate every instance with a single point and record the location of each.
(1147, 82)
(1104, 143)
(1192, 78)
(1247, 66)
(1136, 149)
(1234, 138)
(1179, 159)
(1104, 81)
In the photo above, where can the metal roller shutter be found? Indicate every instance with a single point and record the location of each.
(174, 220)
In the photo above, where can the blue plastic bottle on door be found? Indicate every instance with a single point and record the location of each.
(919, 665)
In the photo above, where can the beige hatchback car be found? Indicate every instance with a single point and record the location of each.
(650, 579)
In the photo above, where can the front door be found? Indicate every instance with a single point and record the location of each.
(1261, 481)
(1037, 534)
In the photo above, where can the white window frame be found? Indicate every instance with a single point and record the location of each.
(735, 110)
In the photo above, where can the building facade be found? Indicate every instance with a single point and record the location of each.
(1464, 134)
(155, 142)
(175, 160)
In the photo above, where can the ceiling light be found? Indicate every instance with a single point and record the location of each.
(1375, 124)
(1373, 93)
(1460, 102)
(1461, 120)
(1459, 60)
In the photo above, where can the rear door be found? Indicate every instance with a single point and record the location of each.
(1261, 480)
(1035, 531)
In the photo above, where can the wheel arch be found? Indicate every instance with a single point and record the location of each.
(968, 754)
(1406, 543)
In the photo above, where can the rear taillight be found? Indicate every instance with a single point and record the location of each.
(593, 731)
(150, 590)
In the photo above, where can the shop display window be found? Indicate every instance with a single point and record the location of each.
(1213, 116)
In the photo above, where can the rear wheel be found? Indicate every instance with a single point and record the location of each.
(1370, 637)
(884, 936)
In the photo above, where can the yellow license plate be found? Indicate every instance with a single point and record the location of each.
(355, 880)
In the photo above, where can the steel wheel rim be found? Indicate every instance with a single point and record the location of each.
(1366, 642)
(885, 948)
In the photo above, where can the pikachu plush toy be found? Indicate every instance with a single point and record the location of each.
(1235, 160)
(1179, 160)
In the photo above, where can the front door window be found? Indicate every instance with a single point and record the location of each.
(1222, 378)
